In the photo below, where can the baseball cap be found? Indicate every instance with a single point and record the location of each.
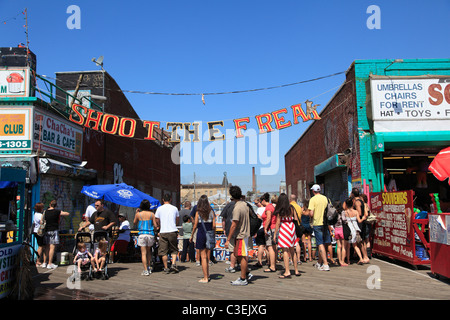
(315, 188)
(121, 214)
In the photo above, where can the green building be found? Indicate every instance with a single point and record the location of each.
(381, 130)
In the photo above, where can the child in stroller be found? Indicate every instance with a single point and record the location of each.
(83, 256)
(100, 255)
(101, 249)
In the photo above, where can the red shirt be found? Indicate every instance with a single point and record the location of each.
(273, 219)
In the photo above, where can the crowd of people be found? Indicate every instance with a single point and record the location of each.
(279, 230)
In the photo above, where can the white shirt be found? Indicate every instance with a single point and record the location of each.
(36, 221)
(167, 215)
(259, 213)
(124, 235)
(89, 211)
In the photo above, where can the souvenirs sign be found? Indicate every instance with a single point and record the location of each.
(394, 230)
(127, 127)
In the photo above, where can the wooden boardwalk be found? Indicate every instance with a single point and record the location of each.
(391, 281)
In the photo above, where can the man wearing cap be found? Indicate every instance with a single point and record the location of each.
(121, 244)
(317, 206)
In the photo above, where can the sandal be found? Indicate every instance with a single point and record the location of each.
(298, 274)
(270, 270)
(284, 277)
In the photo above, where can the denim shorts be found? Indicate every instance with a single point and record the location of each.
(51, 237)
(322, 235)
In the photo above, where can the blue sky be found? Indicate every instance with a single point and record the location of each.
(197, 46)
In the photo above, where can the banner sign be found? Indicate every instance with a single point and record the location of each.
(394, 231)
(57, 137)
(126, 127)
(15, 130)
(8, 256)
(411, 101)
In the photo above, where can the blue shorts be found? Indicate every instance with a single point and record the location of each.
(322, 235)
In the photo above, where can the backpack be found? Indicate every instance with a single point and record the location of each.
(330, 215)
(255, 222)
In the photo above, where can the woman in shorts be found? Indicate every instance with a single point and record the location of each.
(51, 236)
(145, 220)
(339, 236)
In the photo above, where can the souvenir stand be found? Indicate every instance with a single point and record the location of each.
(12, 199)
(439, 240)
(398, 233)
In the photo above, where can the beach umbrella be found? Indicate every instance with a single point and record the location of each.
(121, 194)
(440, 166)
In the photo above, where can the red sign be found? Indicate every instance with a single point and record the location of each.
(394, 231)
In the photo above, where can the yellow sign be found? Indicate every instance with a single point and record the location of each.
(12, 125)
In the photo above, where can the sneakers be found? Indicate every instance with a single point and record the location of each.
(145, 273)
(43, 265)
(321, 267)
(239, 282)
(324, 267)
(174, 269)
(230, 270)
(52, 266)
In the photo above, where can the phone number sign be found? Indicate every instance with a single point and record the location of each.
(15, 130)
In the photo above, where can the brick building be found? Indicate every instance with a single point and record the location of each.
(385, 119)
(60, 156)
(146, 165)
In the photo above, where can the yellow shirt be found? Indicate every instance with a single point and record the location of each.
(298, 209)
(318, 203)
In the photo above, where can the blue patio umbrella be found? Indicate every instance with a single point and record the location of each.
(121, 194)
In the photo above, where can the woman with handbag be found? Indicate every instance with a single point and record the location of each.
(205, 224)
(306, 237)
(339, 236)
(352, 218)
(38, 210)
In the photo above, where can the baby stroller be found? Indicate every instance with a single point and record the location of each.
(97, 237)
(82, 237)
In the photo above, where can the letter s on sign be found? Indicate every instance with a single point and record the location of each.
(434, 90)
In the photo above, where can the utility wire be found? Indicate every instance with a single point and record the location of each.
(218, 93)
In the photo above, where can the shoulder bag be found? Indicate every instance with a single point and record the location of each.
(42, 225)
(299, 228)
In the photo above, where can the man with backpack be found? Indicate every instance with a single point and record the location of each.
(317, 206)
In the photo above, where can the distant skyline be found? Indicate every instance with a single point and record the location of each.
(204, 46)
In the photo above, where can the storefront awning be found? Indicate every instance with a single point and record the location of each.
(338, 160)
(51, 166)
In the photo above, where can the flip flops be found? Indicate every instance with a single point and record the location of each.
(284, 277)
(270, 270)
